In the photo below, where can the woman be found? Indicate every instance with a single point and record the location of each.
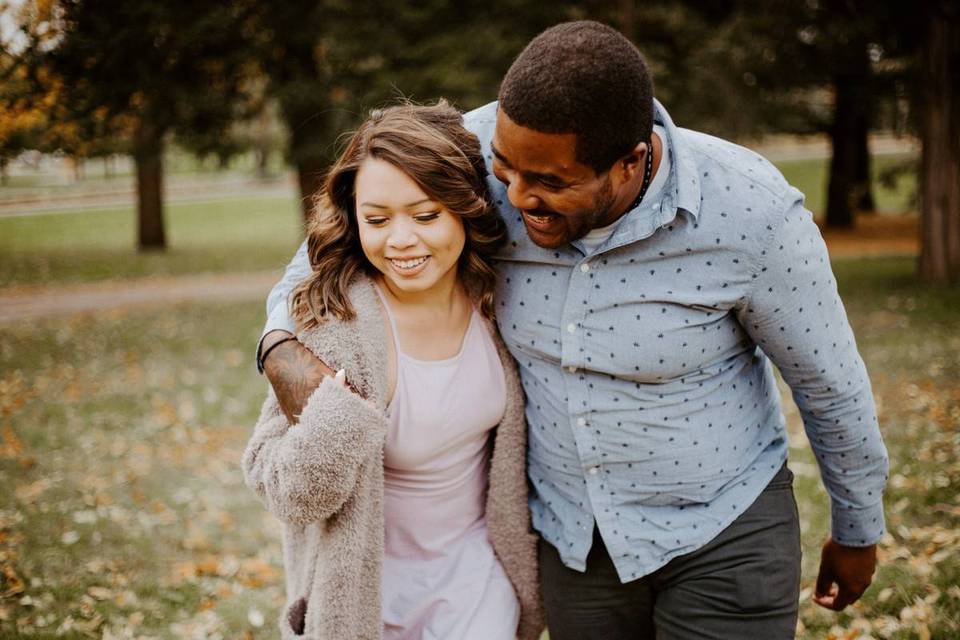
(403, 492)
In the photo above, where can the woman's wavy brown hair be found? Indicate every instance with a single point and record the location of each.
(430, 144)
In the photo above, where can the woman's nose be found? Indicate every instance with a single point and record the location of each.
(402, 235)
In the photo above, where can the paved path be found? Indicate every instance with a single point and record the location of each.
(25, 303)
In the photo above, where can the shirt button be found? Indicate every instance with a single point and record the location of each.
(571, 327)
(572, 369)
(582, 422)
(594, 470)
(584, 267)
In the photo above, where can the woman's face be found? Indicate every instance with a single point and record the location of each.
(412, 240)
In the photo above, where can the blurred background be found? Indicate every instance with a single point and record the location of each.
(157, 160)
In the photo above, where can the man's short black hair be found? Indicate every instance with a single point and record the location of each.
(584, 78)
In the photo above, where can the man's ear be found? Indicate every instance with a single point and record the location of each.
(632, 164)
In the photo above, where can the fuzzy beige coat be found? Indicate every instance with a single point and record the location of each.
(323, 478)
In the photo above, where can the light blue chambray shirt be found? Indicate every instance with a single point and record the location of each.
(652, 407)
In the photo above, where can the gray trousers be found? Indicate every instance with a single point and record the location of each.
(744, 584)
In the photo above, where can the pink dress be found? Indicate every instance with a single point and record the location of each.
(441, 578)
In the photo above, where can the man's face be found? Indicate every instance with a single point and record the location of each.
(560, 198)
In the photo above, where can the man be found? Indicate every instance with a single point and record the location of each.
(652, 275)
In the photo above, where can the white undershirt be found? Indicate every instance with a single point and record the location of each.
(596, 237)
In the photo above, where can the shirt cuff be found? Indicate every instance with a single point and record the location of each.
(853, 527)
(278, 320)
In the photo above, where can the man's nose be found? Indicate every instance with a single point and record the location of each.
(520, 195)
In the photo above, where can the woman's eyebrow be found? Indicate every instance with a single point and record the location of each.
(405, 206)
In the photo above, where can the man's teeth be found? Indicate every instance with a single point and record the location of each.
(409, 264)
(541, 218)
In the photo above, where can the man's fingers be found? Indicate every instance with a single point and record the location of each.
(841, 601)
(849, 595)
(824, 601)
(837, 597)
(825, 581)
(828, 597)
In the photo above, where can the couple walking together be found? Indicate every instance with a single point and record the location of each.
(612, 463)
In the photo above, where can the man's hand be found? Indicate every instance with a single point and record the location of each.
(293, 371)
(845, 573)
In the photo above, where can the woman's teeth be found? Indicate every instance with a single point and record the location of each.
(409, 264)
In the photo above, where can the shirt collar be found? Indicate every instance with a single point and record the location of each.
(683, 188)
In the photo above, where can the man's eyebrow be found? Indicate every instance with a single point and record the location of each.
(539, 177)
(409, 205)
(499, 155)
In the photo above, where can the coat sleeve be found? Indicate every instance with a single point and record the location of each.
(307, 471)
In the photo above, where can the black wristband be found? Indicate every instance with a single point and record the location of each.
(263, 358)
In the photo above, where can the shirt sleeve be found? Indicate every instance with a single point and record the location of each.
(795, 315)
(278, 309)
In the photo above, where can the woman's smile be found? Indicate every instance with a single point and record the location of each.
(409, 266)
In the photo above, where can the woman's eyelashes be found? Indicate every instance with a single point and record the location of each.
(420, 217)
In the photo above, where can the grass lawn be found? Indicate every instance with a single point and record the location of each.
(238, 234)
(810, 177)
(226, 235)
(124, 514)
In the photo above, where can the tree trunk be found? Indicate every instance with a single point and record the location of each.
(148, 155)
(261, 154)
(310, 175)
(863, 193)
(849, 185)
(76, 167)
(940, 158)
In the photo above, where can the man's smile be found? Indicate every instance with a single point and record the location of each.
(541, 219)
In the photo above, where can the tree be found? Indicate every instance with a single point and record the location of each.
(818, 59)
(938, 99)
(750, 67)
(328, 62)
(159, 67)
